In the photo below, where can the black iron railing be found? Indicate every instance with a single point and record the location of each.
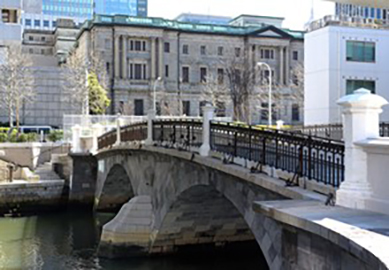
(334, 131)
(134, 132)
(182, 133)
(316, 158)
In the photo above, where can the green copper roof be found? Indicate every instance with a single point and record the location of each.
(180, 26)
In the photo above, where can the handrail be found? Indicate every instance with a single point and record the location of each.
(316, 158)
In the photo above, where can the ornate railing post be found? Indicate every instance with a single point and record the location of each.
(76, 136)
(207, 117)
(360, 121)
(150, 118)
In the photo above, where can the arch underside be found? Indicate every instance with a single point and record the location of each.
(201, 215)
(117, 190)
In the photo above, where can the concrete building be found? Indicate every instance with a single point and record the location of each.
(340, 57)
(50, 47)
(138, 51)
(10, 28)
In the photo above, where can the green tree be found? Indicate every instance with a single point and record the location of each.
(98, 99)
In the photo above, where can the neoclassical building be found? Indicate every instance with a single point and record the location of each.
(137, 51)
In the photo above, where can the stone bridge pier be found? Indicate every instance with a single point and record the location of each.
(170, 200)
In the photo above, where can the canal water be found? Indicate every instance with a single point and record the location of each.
(67, 241)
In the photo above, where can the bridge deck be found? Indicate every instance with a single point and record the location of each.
(354, 230)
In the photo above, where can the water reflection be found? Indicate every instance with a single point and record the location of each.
(69, 241)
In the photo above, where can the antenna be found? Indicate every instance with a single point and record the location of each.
(312, 12)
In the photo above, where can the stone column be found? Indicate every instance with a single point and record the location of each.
(287, 65)
(207, 117)
(117, 58)
(118, 131)
(150, 118)
(282, 66)
(97, 130)
(153, 59)
(160, 61)
(76, 136)
(124, 58)
(360, 121)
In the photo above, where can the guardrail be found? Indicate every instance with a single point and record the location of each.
(317, 159)
(334, 131)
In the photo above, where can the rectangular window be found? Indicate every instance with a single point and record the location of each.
(360, 51)
(28, 22)
(220, 76)
(203, 50)
(167, 47)
(54, 23)
(237, 52)
(295, 112)
(203, 75)
(138, 109)
(185, 49)
(37, 23)
(295, 55)
(167, 71)
(352, 85)
(267, 54)
(43, 38)
(137, 45)
(265, 112)
(144, 71)
(144, 45)
(46, 23)
(30, 38)
(131, 45)
(185, 74)
(131, 71)
(138, 71)
(186, 107)
(220, 51)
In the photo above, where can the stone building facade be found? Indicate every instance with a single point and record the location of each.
(138, 51)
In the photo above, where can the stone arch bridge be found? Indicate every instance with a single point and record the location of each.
(171, 197)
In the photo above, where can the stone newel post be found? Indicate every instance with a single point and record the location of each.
(150, 118)
(97, 131)
(118, 131)
(207, 117)
(360, 121)
(76, 136)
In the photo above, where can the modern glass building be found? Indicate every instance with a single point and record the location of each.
(68, 8)
(42, 14)
(352, 10)
(125, 7)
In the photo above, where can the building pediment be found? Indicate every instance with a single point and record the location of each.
(271, 31)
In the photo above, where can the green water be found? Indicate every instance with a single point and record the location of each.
(69, 241)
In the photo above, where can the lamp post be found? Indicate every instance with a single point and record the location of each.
(154, 93)
(270, 88)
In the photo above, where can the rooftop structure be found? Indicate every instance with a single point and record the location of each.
(256, 21)
(202, 18)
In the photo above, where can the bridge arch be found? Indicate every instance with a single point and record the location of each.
(116, 191)
(169, 183)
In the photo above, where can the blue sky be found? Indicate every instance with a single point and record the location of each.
(296, 12)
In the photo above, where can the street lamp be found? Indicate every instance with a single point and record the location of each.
(259, 64)
(154, 93)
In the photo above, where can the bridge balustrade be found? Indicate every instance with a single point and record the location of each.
(318, 159)
(183, 132)
(334, 131)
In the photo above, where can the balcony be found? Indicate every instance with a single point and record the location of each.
(347, 21)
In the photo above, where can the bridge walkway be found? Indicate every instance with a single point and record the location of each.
(364, 234)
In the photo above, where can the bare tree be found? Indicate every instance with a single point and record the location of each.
(16, 82)
(215, 92)
(76, 69)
